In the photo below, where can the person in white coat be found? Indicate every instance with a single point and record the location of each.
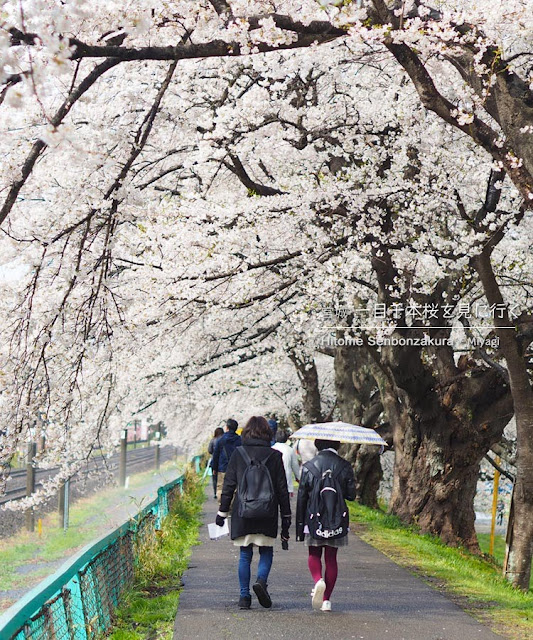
(290, 460)
(306, 450)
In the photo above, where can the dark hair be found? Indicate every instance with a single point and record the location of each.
(219, 431)
(232, 424)
(282, 436)
(327, 444)
(257, 427)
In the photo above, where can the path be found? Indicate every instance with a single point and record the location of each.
(374, 599)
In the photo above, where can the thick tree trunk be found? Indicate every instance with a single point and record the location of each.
(368, 472)
(519, 559)
(345, 364)
(441, 432)
(354, 385)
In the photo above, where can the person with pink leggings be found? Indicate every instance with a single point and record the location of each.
(324, 580)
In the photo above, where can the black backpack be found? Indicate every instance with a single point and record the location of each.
(328, 513)
(256, 492)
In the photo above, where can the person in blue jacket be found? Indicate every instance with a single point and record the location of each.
(273, 424)
(225, 446)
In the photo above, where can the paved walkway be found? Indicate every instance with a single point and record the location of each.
(374, 599)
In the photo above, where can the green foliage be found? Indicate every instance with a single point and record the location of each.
(476, 580)
(149, 608)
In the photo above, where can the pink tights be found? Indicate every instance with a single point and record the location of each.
(315, 567)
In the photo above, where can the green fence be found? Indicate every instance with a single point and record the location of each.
(77, 602)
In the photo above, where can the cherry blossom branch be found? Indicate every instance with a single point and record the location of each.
(221, 7)
(227, 365)
(57, 119)
(253, 187)
(316, 32)
(433, 100)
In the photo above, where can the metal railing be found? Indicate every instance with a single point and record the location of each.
(77, 602)
(136, 458)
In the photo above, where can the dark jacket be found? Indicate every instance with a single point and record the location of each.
(211, 445)
(257, 450)
(324, 460)
(225, 446)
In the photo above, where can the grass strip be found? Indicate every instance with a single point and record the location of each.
(149, 608)
(474, 582)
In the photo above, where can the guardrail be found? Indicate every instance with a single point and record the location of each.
(77, 602)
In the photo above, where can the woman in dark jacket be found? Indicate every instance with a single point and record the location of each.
(327, 458)
(260, 532)
(219, 432)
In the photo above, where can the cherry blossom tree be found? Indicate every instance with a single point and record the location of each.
(174, 186)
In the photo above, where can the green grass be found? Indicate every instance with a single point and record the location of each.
(149, 608)
(475, 582)
(10, 558)
(499, 546)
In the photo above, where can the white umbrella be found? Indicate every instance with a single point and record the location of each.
(340, 431)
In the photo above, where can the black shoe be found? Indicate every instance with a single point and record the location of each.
(260, 589)
(245, 602)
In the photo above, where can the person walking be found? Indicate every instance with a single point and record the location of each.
(219, 432)
(255, 474)
(222, 452)
(273, 424)
(342, 476)
(306, 450)
(290, 461)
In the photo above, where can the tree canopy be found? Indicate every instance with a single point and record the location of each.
(187, 188)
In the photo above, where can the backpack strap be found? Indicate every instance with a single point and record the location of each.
(247, 458)
(312, 467)
(337, 473)
(244, 454)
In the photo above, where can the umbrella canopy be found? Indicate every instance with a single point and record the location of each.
(340, 431)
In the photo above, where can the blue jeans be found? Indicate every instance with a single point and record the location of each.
(245, 560)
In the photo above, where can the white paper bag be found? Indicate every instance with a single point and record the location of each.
(216, 532)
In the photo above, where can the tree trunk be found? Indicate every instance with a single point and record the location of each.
(444, 417)
(441, 432)
(368, 472)
(308, 376)
(354, 385)
(519, 558)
